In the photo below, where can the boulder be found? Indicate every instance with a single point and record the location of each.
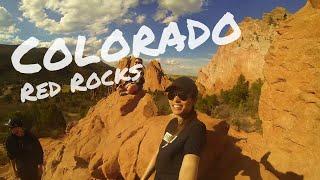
(290, 97)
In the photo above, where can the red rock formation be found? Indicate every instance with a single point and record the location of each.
(290, 101)
(244, 56)
(315, 3)
(126, 62)
(155, 79)
(290, 98)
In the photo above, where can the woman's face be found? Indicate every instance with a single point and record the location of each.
(180, 106)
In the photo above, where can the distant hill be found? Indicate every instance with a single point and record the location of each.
(8, 75)
(174, 76)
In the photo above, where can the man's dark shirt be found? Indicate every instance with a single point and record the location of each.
(189, 141)
(25, 150)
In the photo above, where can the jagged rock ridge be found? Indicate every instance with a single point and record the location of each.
(244, 56)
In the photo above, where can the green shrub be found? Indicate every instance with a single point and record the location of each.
(254, 96)
(207, 104)
(238, 106)
(222, 111)
(43, 120)
(161, 101)
(83, 111)
(49, 119)
(8, 98)
(246, 123)
(238, 94)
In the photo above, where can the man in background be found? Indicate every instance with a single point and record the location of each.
(132, 87)
(24, 151)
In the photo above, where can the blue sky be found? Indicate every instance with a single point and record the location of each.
(51, 19)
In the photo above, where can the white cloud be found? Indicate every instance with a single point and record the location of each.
(172, 62)
(147, 1)
(70, 42)
(170, 10)
(160, 14)
(92, 45)
(169, 19)
(131, 17)
(5, 18)
(8, 28)
(181, 7)
(76, 15)
(183, 66)
(140, 19)
(125, 20)
(94, 16)
(20, 19)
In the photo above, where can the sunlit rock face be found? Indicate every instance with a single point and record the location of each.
(244, 56)
(155, 78)
(290, 98)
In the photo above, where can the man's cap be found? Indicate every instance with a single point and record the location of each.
(14, 122)
(139, 59)
(185, 84)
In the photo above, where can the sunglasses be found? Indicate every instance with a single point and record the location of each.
(182, 95)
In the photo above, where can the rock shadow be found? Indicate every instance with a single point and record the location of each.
(282, 176)
(132, 103)
(223, 159)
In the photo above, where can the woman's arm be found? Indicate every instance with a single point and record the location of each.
(189, 167)
(151, 167)
(192, 150)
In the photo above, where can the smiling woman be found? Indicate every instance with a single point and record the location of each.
(178, 155)
(141, 40)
